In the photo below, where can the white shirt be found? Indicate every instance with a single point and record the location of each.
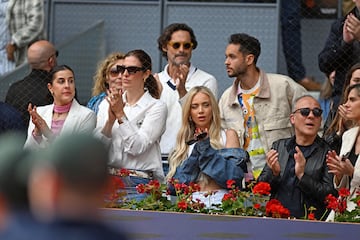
(170, 96)
(135, 142)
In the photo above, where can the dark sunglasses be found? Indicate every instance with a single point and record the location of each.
(131, 70)
(176, 45)
(306, 111)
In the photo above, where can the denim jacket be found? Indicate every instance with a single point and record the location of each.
(221, 165)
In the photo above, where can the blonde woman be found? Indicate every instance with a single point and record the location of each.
(107, 76)
(204, 153)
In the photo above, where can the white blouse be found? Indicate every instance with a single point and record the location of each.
(135, 142)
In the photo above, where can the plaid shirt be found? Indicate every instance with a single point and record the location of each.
(26, 21)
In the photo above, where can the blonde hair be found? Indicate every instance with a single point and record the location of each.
(187, 130)
(102, 72)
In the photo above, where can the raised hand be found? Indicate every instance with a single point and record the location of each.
(300, 162)
(272, 160)
(41, 128)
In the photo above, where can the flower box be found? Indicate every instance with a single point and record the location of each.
(173, 225)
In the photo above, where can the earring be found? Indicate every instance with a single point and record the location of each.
(190, 119)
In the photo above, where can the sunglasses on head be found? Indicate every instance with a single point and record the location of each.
(176, 45)
(306, 111)
(131, 70)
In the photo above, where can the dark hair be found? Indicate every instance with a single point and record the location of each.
(332, 124)
(248, 44)
(349, 88)
(165, 37)
(58, 69)
(349, 74)
(145, 60)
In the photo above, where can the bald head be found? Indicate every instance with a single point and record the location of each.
(41, 55)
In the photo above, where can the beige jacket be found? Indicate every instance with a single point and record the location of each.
(273, 106)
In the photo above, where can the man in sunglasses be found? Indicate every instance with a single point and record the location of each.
(296, 167)
(258, 104)
(176, 44)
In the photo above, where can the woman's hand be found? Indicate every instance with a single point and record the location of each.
(41, 128)
(116, 104)
(339, 166)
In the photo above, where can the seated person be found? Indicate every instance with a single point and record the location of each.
(211, 161)
(296, 168)
(107, 76)
(132, 121)
(65, 115)
(345, 166)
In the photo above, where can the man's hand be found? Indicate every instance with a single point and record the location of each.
(180, 79)
(272, 160)
(300, 162)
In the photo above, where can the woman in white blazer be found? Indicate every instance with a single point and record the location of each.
(346, 167)
(65, 115)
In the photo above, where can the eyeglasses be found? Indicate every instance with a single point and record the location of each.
(131, 70)
(176, 45)
(114, 72)
(306, 111)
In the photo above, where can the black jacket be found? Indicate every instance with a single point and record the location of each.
(32, 89)
(338, 55)
(316, 182)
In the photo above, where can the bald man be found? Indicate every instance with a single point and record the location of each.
(41, 57)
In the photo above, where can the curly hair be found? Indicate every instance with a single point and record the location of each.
(165, 37)
(102, 72)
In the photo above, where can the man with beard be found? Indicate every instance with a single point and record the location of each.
(258, 104)
(176, 44)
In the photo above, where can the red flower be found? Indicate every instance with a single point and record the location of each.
(275, 209)
(311, 216)
(182, 205)
(230, 184)
(257, 205)
(124, 172)
(262, 188)
(344, 192)
(227, 196)
(331, 202)
(140, 188)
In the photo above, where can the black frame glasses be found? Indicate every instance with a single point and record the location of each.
(306, 111)
(186, 45)
(131, 69)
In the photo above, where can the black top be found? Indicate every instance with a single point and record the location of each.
(32, 89)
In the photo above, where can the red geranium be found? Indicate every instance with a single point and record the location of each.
(262, 188)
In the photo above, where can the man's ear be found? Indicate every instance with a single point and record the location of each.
(249, 59)
(292, 118)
